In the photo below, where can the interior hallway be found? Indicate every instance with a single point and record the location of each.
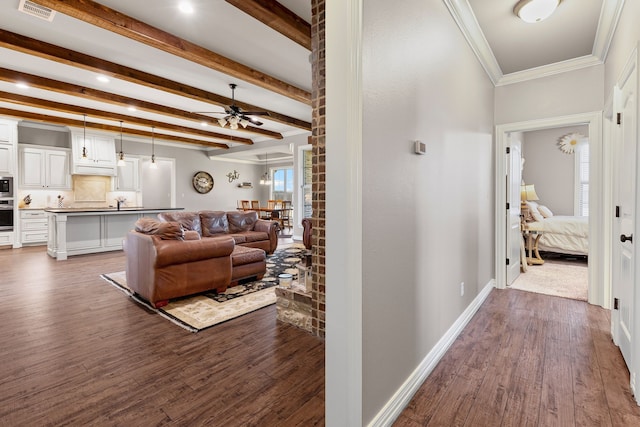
(528, 359)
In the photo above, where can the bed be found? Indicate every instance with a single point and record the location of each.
(560, 234)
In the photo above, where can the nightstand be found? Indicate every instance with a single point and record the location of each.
(531, 239)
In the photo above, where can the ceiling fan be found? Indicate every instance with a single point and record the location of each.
(236, 116)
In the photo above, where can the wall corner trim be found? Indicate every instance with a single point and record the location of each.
(404, 394)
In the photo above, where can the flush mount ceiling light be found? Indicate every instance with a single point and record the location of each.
(532, 11)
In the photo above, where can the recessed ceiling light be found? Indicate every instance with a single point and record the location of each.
(22, 85)
(532, 11)
(131, 108)
(102, 78)
(185, 7)
(204, 124)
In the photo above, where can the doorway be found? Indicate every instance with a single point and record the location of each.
(599, 247)
(158, 185)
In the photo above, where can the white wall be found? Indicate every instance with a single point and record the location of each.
(579, 91)
(427, 221)
(549, 169)
(624, 41)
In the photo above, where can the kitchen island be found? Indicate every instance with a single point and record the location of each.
(76, 231)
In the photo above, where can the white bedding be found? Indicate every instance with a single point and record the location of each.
(563, 234)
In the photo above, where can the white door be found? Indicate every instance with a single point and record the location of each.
(514, 234)
(623, 263)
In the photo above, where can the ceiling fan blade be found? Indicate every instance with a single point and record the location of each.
(251, 120)
(255, 113)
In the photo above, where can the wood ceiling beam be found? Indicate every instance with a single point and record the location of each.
(114, 21)
(65, 56)
(93, 113)
(43, 118)
(84, 92)
(278, 17)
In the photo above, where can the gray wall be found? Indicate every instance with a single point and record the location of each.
(549, 169)
(428, 221)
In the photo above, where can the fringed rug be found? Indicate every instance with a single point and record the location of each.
(202, 311)
(557, 278)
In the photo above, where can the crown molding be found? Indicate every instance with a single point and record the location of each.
(549, 70)
(609, 17)
(466, 20)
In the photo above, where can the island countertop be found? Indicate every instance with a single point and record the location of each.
(108, 210)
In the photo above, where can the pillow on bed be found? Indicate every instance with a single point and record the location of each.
(545, 211)
(533, 213)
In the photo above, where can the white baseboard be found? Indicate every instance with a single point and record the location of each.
(403, 395)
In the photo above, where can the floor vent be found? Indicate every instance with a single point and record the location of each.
(34, 9)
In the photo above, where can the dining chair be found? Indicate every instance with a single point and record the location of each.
(271, 204)
(255, 204)
(245, 205)
(285, 214)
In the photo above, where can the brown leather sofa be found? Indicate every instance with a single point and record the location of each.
(244, 226)
(186, 253)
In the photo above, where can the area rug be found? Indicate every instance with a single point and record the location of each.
(557, 278)
(202, 311)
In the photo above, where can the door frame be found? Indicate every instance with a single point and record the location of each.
(599, 191)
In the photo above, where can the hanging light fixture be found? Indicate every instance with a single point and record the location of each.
(266, 179)
(153, 164)
(121, 162)
(532, 11)
(84, 138)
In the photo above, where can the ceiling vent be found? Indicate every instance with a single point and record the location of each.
(34, 9)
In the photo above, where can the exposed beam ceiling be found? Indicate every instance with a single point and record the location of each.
(114, 21)
(281, 19)
(42, 118)
(59, 54)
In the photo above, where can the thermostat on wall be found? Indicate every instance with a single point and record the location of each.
(420, 147)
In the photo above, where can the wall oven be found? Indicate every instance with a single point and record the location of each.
(6, 215)
(6, 186)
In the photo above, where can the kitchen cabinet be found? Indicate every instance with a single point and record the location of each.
(46, 168)
(101, 155)
(128, 178)
(6, 158)
(33, 226)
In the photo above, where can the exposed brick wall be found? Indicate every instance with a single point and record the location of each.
(318, 182)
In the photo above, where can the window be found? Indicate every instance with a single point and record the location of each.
(282, 186)
(582, 181)
(307, 206)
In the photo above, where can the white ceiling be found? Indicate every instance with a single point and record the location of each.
(577, 35)
(215, 25)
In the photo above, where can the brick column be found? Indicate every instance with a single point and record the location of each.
(318, 180)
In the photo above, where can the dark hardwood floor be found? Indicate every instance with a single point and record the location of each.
(527, 359)
(76, 351)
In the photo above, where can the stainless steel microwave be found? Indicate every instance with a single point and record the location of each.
(6, 186)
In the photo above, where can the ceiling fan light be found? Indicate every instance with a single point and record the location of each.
(233, 120)
(222, 122)
(532, 11)
(244, 123)
(233, 126)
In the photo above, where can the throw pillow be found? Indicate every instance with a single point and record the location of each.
(191, 235)
(545, 211)
(164, 230)
(188, 220)
(214, 222)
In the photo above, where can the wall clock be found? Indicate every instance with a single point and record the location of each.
(202, 182)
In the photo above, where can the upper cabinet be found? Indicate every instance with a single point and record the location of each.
(45, 168)
(100, 155)
(128, 178)
(8, 138)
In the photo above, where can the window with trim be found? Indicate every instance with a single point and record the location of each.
(282, 185)
(582, 181)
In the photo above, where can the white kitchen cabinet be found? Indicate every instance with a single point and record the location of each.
(6, 158)
(128, 178)
(101, 155)
(6, 238)
(46, 168)
(33, 226)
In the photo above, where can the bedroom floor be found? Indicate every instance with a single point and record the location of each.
(561, 275)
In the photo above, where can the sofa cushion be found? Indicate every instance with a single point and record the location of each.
(164, 230)
(239, 238)
(188, 220)
(242, 255)
(241, 221)
(213, 222)
(255, 236)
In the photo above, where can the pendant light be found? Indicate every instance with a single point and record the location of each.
(266, 179)
(121, 162)
(153, 164)
(84, 138)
